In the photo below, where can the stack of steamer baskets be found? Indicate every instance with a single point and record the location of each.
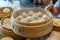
(5, 12)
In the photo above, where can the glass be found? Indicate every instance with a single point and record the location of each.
(16, 4)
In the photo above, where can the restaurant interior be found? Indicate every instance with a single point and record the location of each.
(29, 19)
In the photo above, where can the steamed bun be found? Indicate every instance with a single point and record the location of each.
(42, 20)
(23, 20)
(45, 17)
(34, 21)
(6, 10)
(24, 14)
(19, 17)
(29, 18)
(40, 14)
(35, 16)
(31, 13)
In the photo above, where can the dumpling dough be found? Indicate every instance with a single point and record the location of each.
(23, 20)
(34, 21)
(6, 38)
(24, 14)
(19, 18)
(42, 20)
(31, 13)
(6, 10)
(35, 16)
(45, 17)
(40, 14)
(29, 18)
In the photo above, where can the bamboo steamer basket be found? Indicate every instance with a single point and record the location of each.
(5, 14)
(32, 30)
(6, 31)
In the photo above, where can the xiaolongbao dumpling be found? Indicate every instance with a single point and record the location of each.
(24, 14)
(34, 21)
(19, 18)
(35, 16)
(31, 13)
(23, 20)
(29, 18)
(40, 14)
(41, 20)
(45, 17)
(6, 10)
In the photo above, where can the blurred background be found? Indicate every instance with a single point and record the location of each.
(33, 3)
